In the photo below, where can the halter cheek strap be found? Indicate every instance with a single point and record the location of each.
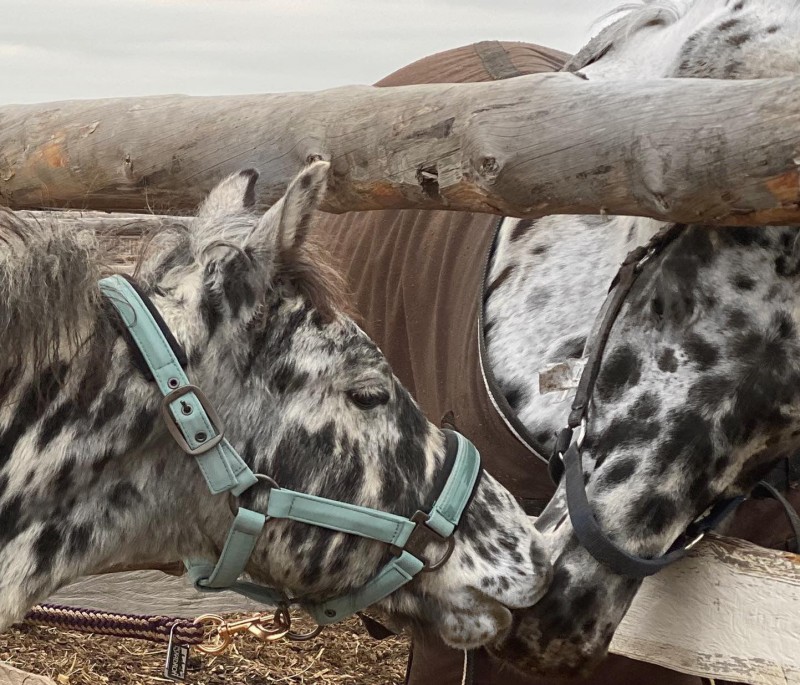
(196, 428)
(566, 460)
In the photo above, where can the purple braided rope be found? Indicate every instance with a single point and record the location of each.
(153, 628)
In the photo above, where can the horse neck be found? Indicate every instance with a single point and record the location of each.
(86, 479)
(547, 281)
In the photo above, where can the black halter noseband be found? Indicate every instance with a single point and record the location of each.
(566, 459)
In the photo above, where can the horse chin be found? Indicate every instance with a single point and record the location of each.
(559, 658)
(485, 622)
(567, 633)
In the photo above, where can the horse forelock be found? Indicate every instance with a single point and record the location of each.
(308, 270)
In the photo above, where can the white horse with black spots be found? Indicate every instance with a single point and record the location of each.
(698, 393)
(90, 476)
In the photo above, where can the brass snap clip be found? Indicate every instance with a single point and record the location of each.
(220, 632)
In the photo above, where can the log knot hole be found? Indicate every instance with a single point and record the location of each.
(489, 168)
(127, 167)
(428, 179)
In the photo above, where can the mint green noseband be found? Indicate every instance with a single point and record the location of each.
(197, 429)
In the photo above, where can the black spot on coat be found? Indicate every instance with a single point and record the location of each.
(47, 547)
(621, 370)
(522, 227)
(667, 361)
(652, 514)
(10, 519)
(700, 351)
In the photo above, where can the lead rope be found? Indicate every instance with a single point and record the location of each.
(151, 628)
(209, 633)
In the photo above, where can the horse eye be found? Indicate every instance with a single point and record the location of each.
(367, 400)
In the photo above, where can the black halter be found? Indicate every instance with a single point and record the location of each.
(566, 459)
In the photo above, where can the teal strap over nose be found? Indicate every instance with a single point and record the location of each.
(196, 428)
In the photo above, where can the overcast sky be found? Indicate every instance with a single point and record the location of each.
(63, 49)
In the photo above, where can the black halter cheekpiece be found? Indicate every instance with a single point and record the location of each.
(566, 459)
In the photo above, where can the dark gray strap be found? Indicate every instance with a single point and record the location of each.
(791, 514)
(620, 287)
(591, 536)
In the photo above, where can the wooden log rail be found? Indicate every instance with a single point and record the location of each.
(721, 152)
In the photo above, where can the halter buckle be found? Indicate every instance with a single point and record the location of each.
(699, 537)
(175, 430)
(581, 434)
(420, 538)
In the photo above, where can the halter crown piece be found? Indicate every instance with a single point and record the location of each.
(196, 428)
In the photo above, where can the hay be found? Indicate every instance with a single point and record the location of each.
(341, 655)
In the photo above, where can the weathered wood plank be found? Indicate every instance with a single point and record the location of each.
(13, 676)
(729, 611)
(533, 145)
(150, 593)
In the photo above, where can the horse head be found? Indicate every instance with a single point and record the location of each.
(91, 477)
(697, 393)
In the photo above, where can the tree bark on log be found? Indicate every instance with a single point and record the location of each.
(717, 152)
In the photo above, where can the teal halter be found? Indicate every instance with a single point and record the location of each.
(197, 429)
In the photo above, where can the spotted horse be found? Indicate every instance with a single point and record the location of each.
(697, 393)
(93, 476)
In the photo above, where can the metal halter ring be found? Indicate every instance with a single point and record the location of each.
(695, 541)
(290, 634)
(581, 434)
(578, 440)
(234, 507)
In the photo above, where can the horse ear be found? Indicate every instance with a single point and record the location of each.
(231, 196)
(285, 226)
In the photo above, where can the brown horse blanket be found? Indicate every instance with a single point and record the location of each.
(416, 279)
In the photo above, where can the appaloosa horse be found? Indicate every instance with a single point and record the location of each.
(697, 395)
(90, 475)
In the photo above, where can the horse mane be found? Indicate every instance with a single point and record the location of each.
(48, 290)
(635, 16)
(311, 271)
(50, 299)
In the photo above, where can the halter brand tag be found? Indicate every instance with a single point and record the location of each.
(562, 376)
(177, 659)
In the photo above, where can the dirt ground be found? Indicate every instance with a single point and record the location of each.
(341, 655)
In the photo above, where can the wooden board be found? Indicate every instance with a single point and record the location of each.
(149, 593)
(13, 676)
(730, 611)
